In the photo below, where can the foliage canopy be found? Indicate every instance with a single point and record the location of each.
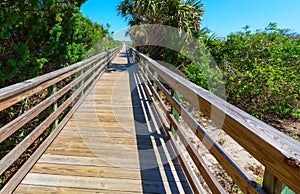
(39, 36)
(261, 70)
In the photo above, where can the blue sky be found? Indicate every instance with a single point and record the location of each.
(221, 16)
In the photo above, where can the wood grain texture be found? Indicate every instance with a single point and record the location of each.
(27, 189)
(24, 144)
(101, 147)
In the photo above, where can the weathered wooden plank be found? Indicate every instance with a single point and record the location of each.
(98, 171)
(118, 81)
(126, 114)
(80, 151)
(100, 145)
(94, 108)
(71, 160)
(114, 106)
(110, 146)
(29, 189)
(112, 184)
(108, 101)
(109, 134)
(88, 171)
(100, 128)
(122, 115)
(108, 127)
(130, 163)
(95, 140)
(105, 99)
(71, 152)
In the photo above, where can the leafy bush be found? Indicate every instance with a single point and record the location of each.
(37, 37)
(202, 70)
(261, 71)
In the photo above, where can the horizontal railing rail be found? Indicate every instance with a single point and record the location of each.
(279, 153)
(83, 76)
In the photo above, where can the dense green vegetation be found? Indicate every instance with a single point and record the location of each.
(37, 37)
(260, 69)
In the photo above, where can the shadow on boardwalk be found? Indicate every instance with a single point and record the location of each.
(159, 168)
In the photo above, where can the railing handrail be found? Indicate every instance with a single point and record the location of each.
(87, 73)
(275, 150)
(12, 92)
(9, 91)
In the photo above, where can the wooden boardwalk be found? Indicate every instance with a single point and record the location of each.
(113, 144)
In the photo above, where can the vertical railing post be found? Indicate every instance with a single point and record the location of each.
(79, 73)
(175, 113)
(272, 184)
(95, 70)
(146, 65)
(51, 91)
(154, 84)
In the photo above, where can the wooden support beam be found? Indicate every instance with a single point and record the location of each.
(272, 184)
(51, 91)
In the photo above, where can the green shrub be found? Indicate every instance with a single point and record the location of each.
(261, 71)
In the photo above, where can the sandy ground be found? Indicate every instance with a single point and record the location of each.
(249, 165)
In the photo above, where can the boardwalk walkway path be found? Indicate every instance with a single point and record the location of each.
(113, 144)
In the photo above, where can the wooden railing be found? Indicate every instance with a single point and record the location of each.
(279, 153)
(83, 76)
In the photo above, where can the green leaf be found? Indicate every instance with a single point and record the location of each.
(270, 83)
(22, 133)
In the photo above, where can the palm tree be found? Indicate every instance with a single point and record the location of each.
(185, 15)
